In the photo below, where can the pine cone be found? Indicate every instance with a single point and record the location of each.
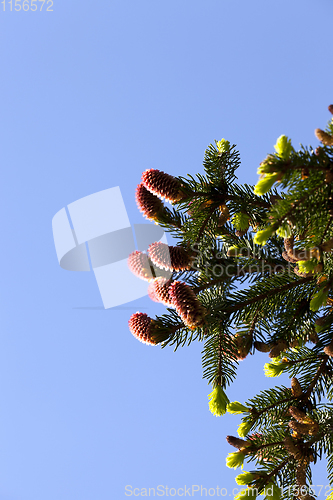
(158, 291)
(277, 349)
(261, 346)
(313, 337)
(151, 207)
(237, 442)
(329, 176)
(187, 305)
(295, 254)
(168, 257)
(291, 447)
(296, 388)
(141, 326)
(289, 258)
(324, 137)
(244, 343)
(240, 233)
(329, 349)
(289, 244)
(224, 215)
(140, 265)
(303, 429)
(163, 185)
(299, 415)
(302, 275)
(327, 246)
(330, 108)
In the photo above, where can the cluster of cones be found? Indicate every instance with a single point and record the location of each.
(173, 294)
(156, 186)
(156, 266)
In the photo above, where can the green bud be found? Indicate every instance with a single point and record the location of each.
(266, 183)
(235, 460)
(268, 166)
(244, 479)
(274, 369)
(218, 401)
(273, 492)
(241, 221)
(261, 237)
(244, 429)
(330, 496)
(223, 146)
(306, 266)
(284, 231)
(236, 407)
(319, 299)
(283, 147)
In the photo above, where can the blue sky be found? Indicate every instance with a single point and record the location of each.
(92, 94)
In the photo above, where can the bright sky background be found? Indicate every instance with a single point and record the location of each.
(92, 94)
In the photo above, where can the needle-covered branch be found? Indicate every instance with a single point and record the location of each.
(252, 272)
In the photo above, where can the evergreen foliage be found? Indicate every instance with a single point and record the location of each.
(276, 240)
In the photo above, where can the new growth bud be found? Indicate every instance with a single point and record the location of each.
(218, 401)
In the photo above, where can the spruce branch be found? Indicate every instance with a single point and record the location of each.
(269, 293)
(316, 377)
(227, 289)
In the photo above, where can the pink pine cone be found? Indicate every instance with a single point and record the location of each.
(162, 185)
(158, 291)
(169, 257)
(186, 304)
(140, 325)
(148, 204)
(140, 265)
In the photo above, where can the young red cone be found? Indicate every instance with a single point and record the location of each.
(158, 291)
(141, 326)
(148, 204)
(140, 265)
(186, 304)
(163, 185)
(169, 257)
